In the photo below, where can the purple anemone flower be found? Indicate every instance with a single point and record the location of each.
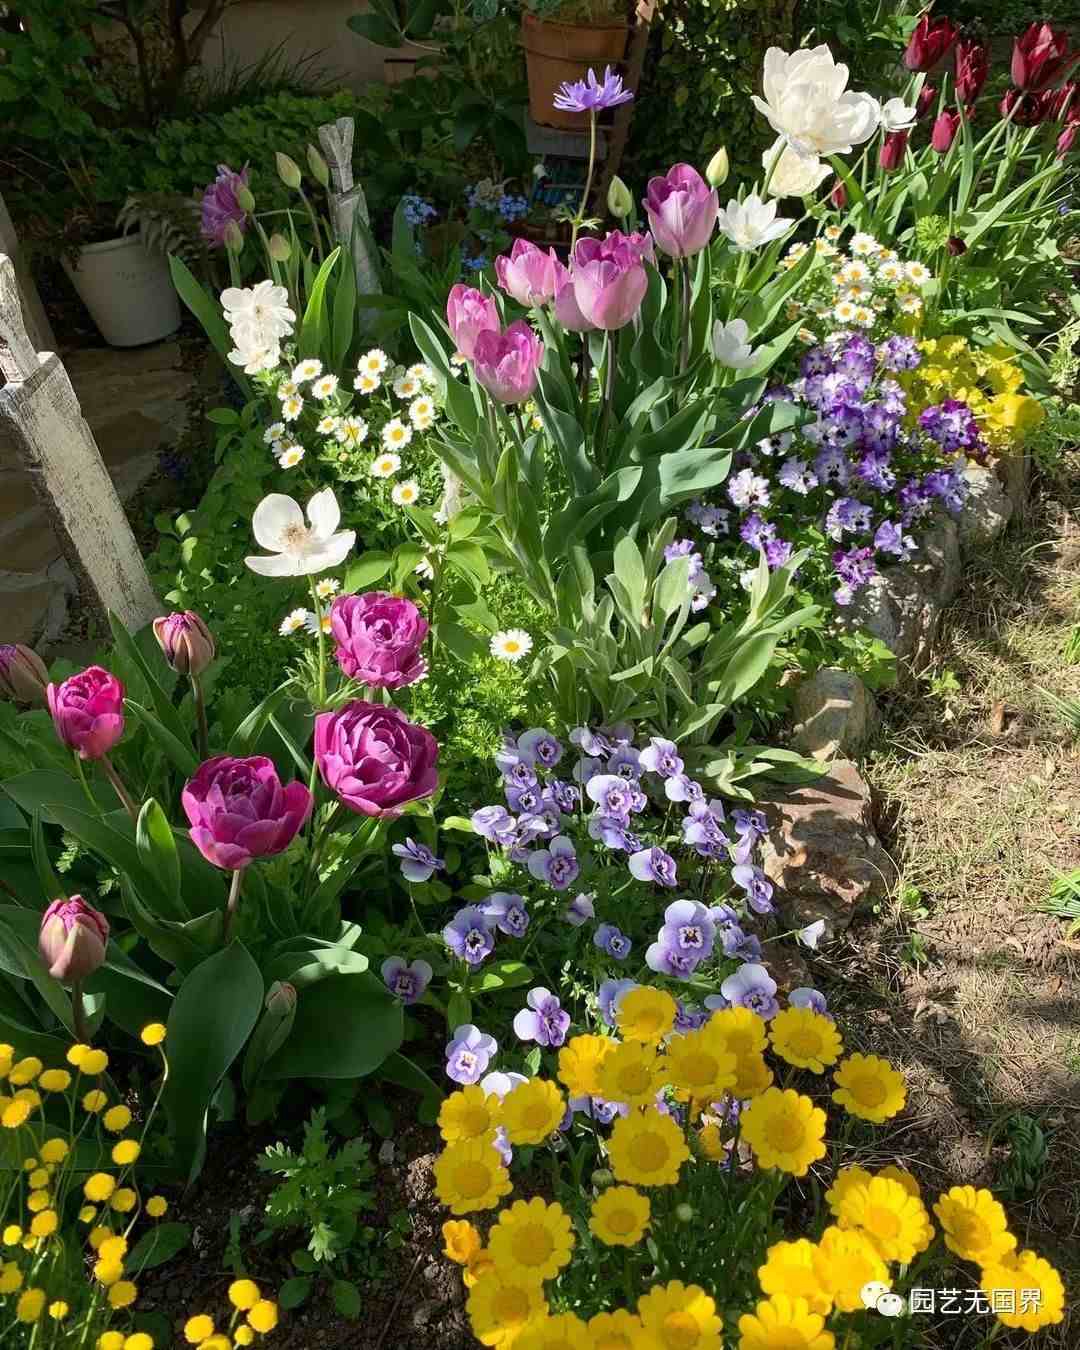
(543, 1021)
(612, 940)
(557, 865)
(610, 995)
(653, 864)
(418, 863)
(758, 887)
(508, 912)
(580, 910)
(406, 982)
(469, 935)
(220, 209)
(752, 987)
(684, 941)
(469, 1054)
(591, 94)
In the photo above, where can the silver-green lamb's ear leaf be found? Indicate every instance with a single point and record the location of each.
(672, 588)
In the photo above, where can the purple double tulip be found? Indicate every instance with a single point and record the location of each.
(185, 641)
(220, 207)
(469, 313)
(72, 939)
(23, 674)
(609, 278)
(506, 363)
(682, 211)
(528, 273)
(239, 810)
(88, 711)
(378, 639)
(374, 758)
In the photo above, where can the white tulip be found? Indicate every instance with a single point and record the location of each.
(299, 550)
(263, 308)
(807, 104)
(751, 223)
(731, 344)
(896, 115)
(792, 175)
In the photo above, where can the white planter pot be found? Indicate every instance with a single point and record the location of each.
(127, 290)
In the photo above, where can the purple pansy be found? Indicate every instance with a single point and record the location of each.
(557, 865)
(508, 913)
(610, 994)
(418, 863)
(469, 935)
(653, 864)
(406, 981)
(540, 747)
(543, 1021)
(612, 940)
(469, 1054)
(613, 795)
(684, 941)
(580, 910)
(493, 823)
(811, 935)
(805, 997)
(758, 887)
(752, 987)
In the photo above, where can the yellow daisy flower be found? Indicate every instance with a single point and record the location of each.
(10, 1278)
(461, 1240)
(156, 1206)
(579, 1064)
(564, 1332)
(790, 1269)
(782, 1323)
(95, 1100)
(619, 1330)
(44, 1224)
(37, 1200)
(646, 1014)
(894, 1173)
(974, 1225)
(1024, 1290)
(76, 1054)
(532, 1111)
(680, 1316)
(647, 1149)
(122, 1294)
(468, 1114)
(532, 1240)
(784, 1129)
(869, 1087)
(700, 1066)
(805, 1039)
(741, 1031)
(243, 1335)
(124, 1200)
(15, 1113)
(632, 1073)
(58, 1309)
(108, 1272)
(477, 1267)
(752, 1077)
(125, 1152)
(620, 1216)
(113, 1248)
(894, 1221)
(470, 1176)
(111, 1340)
(94, 1062)
(847, 1179)
(845, 1260)
(25, 1071)
(140, 1340)
(501, 1304)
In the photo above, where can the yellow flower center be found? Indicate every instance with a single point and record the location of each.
(474, 1120)
(512, 645)
(806, 1043)
(970, 1230)
(635, 1079)
(785, 1133)
(532, 1244)
(740, 1043)
(883, 1223)
(701, 1070)
(649, 1020)
(621, 1221)
(648, 1152)
(868, 1091)
(614, 1340)
(680, 1331)
(510, 1306)
(472, 1179)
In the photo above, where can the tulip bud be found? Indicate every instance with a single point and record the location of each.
(281, 998)
(72, 939)
(1067, 139)
(245, 198)
(893, 150)
(23, 676)
(232, 236)
(838, 196)
(318, 166)
(955, 246)
(288, 170)
(185, 640)
(946, 125)
(280, 248)
(602, 1177)
(619, 201)
(718, 168)
(684, 1213)
(925, 102)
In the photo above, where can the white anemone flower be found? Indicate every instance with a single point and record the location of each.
(751, 223)
(807, 102)
(896, 115)
(793, 175)
(731, 344)
(298, 549)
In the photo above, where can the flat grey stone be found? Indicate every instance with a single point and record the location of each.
(835, 714)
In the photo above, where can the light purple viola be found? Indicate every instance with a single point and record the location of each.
(612, 940)
(494, 823)
(613, 795)
(469, 1054)
(758, 887)
(811, 935)
(590, 742)
(469, 935)
(814, 999)
(543, 1021)
(580, 910)
(540, 747)
(680, 788)
(418, 863)
(688, 1018)
(747, 948)
(524, 798)
(596, 1108)
(557, 864)
(610, 995)
(653, 864)
(565, 796)
(662, 757)
(614, 832)
(625, 762)
(752, 987)
(684, 941)
(507, 911)
(406, 981)
(499, 1084)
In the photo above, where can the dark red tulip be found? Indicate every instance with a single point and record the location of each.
(1040, 57)
(946, 125)
(838, 196)
(955, 246)
(893, 149)
(972, 68)
(1067, 139)
(924, 104)
(1063, 102)
(929, 43)
(1025, 110)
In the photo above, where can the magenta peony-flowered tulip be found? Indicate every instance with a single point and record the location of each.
(374, 758)
(468, 314)
(609, 276)
(239, 811)
(528, 273)
(72, 939)
(379, 637)
(88, 711)
(506, 363)
(221, 212)
(23, 676)
(682, 211)
(185, 641)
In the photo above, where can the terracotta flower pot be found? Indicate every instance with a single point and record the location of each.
(558, 52)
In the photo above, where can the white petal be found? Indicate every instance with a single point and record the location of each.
(324, 513)
(279, 565)
(273, 516)
(332, 553)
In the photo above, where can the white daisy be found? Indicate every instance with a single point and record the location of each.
(351, 431)
(325, 388)
(806, 336)
(786, 264)
(308, 369)
(859, 295)
(289, 456)
(373, 362)
(833, 233)
(879, 303)
(864, 245)
(864, 316)
(286, 389)
(406, 387)
(891, 272)
(917, 273)
(396, 435)
(327, 587)
(797, 251)
(365, 383)
(421, 410)
(405, 494)
(328, 425)
(536, 422)
(458, 360)
(844, 312)
(274, 432)
(421, 371)
(888, 255)
(292, 407)
(855, 271)
(293, 622)
(385, 466)
(909, 304)
(511, 645)
(314, 622)
(825, 249)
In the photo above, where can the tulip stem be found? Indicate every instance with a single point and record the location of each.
(322, 642)
(202, 730)
(231, 906)
(78, 1013)
(121, 791)
(683, 265)
(80, 773)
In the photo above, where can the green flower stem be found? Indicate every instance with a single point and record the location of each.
(684, 340)
(322, 642)
(580, 217)
(202, 729)
(78, 1012)
(80, 774)
(314, 223)
(118, 785)
(231, 906)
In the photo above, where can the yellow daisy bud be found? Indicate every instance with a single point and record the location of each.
(116, 1118)
(125, 1152)
(25, 1071)
(76, 1054)
(263, 1318)
(16, 1113)
(10, 1277)
(153, 1034)
(139, 1340)
(97, 1236)
(94, 1062)
(54, 1080)
(54, 1150)
(243, 1294)
(111, 1340)
(243, 1336)
(95, 1100)
(156, 1206)
(108, 1272)
(45, 1224)
(37, 1200)
(99, 1187)
(124, 1200)
(122, 1294)
(39, 1177)
(113, 1248)
(12, 1235)
(58, 1310)
(30, 1305)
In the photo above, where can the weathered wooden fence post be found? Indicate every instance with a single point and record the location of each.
(349, 211)
(59, 453)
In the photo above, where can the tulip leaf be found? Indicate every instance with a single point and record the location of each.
(37, 789)
(157, 847)
(372, 566)
(400, 1069)
(368, 1025)
(50, 882)
(214, 1012)
(173, 747)
(251, 728)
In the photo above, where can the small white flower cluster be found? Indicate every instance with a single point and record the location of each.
(307, 620)
(863, 287)
(258, 317)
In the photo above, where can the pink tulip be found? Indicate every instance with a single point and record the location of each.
(379, 638)
(528, 274)
(374, 759)
(682, 211)
(1067, 139)
(239, 811)
(566, 305)
(469, 313)
(946, 125)
(972, 68)
(186, 642)
(506, 363)
(924, 104)
(23, 675)
(1040, 57)
(893, 150)
(72, 939)
(610, 280)
(88, 711)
